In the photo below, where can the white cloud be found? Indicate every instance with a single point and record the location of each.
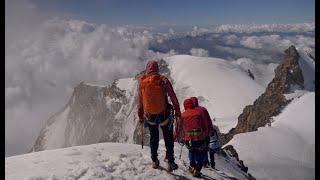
(248, 28)
(42, 68)
(253, 42)
(199, 52)
(276, 42)
(230, 39)
(196, 31)
(305, 43)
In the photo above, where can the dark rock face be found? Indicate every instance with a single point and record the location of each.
(288, 77)
(229, 150)
(250, 177)
(250, 74)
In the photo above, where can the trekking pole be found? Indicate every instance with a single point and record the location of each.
(180, 151)
(142, 133)
(178, 133)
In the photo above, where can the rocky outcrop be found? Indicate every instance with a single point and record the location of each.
(250, 74)
(234, 154)
(288, 77)
(228, 152)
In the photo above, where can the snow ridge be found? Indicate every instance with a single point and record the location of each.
(286, 150)
(109, 161)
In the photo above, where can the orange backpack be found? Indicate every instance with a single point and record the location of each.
(153, 93)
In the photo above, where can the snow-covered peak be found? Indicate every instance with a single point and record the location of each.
(223, 87)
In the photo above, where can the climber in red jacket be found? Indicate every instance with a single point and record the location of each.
(194, 129)
(209, 133)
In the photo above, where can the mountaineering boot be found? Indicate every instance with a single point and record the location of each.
(212, 164)
(172, 166)
(155, 164)
(206, 163)
(196, 173)
(191, 169)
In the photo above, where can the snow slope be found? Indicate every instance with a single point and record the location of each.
(263, 73)
(223, 87)
(286, 150)
(308, 69)
(107, 161)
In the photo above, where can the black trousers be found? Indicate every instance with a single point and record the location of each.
(211, 156)
(167, 131)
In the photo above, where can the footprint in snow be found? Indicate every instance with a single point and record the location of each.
(122, 155)
(73, 162)
(102, 158)
(36, 162)
(73, 153)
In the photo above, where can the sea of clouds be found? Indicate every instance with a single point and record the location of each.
(43, 67)
(45, 58)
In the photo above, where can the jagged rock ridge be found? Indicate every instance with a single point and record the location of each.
(288, 77)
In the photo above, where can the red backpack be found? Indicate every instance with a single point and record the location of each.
(193, 125)
(153, 93)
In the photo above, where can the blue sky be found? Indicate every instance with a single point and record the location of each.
(184, 12)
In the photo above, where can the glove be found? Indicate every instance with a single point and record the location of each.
(140, 121)
(181, 142)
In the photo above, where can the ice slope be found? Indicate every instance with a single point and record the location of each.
(286, 150)
(223, 87)
(107, 161)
